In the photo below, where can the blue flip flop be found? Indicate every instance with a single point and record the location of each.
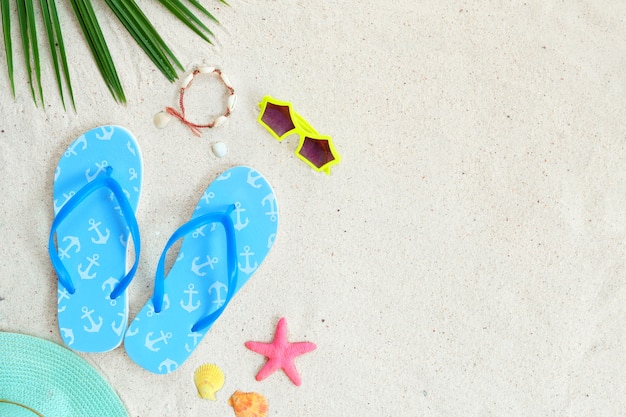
(97, 185)
(227, 238)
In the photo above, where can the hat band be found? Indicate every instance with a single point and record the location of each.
(21, 405)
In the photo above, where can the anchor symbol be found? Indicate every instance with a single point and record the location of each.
(196, 267)
(57, 173)
(168, 364)
(84, 273)
(124, 240)
(272, 213)
(207, 196)
(72, 149)
(238, 211)
(195, 336)
(106, 133)
(151, 342)
(62, 294)
(166, 305)
(224, 176)
(102, 239)
(95, 328)
(118, 329)
(247, 269)
(252, 179)
(67, 198)
(131, 332)
(198, 232)
(270, 240)
(101, 167)
(68, 336)
(74, 243)
(189, 307)
(111, 282)
(217, 286)
(130, 148)
(133, 174)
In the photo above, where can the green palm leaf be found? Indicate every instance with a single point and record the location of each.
(128, 13)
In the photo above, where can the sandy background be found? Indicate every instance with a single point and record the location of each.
(465, 258)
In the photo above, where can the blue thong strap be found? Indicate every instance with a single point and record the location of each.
(231, 254)
(103, 181)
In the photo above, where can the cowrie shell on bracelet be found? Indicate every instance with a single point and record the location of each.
(232, 100)
(206, 70)
(220, 121)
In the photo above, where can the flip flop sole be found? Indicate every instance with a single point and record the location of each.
(93, 240)
(196, 285)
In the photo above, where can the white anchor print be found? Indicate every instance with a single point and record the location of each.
(63, 294)
(132, 332)
(111, 283)
(196, 267)
(217, 287)
(72, 149)
(57, 173)
(224, 176)
(102, 239)
(133, 174)
(248, 268)
(74, 242)
(272, 200)
(100, 167)
(238, 210)
(190, 306)
(252, 179)
(151, 342)
(107, 133)
(95, 327)
(68, 336)
(67, 198)
(270, 240)
(119, 328)
(207, 196)
(195, 337)
(198, 232)
(130, 148)
(168, 364)
(85, 273)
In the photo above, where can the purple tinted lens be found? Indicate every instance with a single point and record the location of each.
(317, 151)
(278, 119)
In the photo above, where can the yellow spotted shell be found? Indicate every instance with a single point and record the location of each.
(209, 379)
(248, 404)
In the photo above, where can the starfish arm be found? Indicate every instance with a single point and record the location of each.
(280, 337)
(268, 369)
(300, 348)
(290, 370)
(266, 349)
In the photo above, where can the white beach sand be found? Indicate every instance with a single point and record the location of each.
(467, 256)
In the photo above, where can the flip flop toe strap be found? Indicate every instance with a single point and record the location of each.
(223, 218)
(103, 181)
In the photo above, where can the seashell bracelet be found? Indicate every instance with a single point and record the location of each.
(162, 119)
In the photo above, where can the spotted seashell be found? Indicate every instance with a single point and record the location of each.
(209, 379)
(248, 404)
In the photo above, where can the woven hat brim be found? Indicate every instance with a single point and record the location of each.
(52, 380)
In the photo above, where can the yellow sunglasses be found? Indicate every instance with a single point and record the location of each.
(316, 150)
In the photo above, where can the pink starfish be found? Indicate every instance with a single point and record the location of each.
(280, 354)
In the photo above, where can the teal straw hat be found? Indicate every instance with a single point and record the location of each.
(41, 378)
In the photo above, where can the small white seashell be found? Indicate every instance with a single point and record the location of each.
(186, 81)
(206, 70)
(219, 149)
(220, 121)
(226, 81)
(161, 119)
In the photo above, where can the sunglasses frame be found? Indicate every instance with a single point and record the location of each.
(303, 129)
